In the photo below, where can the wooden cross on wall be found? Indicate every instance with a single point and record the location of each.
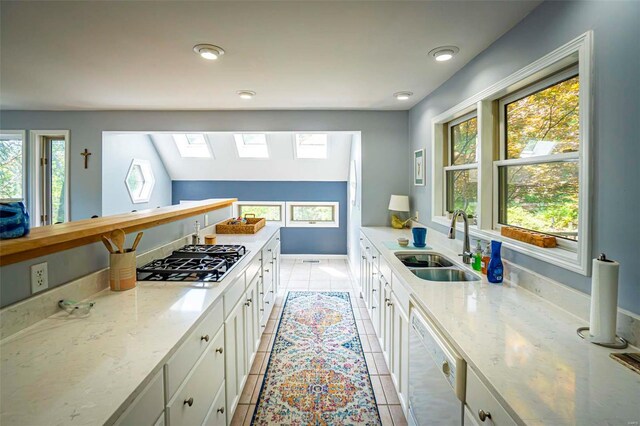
(86, 155)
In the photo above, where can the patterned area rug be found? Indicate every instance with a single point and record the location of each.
(317, 374)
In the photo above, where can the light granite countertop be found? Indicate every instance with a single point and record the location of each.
(85, 371)
(525, 347)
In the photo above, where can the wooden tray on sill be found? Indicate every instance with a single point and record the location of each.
(233, 226)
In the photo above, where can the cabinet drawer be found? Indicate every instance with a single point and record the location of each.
(401, 293)
(268, 302)
(233, 294)
(147, 406)
(188, 353)
(199, 388)
(385, 270)
(217, 415)
(253, 269)
(479, 398)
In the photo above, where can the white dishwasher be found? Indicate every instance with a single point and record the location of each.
(437, 377)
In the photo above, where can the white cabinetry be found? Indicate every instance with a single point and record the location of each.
(202, 381)
(147, 407)
(235, 365)
(482, 406)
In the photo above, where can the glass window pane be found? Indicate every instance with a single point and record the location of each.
(252, 145)
(267, 212)
(11, 167)
(546, 122)
(312, 213)
(58, 180)
(463, 142)
(312, 145)
(192, 145)
(135, 180)
(541, 197)
(462, 191)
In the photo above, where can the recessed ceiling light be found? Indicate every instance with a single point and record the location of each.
(444, 53)
(246, 94)
(402, 96)
(208, 51)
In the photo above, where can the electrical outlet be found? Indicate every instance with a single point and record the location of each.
(39, 277)
(417, 216)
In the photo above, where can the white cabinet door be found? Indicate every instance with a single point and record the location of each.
(375, 308)
(235, 364)
(217, 415)
(251, 322)
(400, 348)
(387, 327)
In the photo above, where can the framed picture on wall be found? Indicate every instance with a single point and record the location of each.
(418, 167)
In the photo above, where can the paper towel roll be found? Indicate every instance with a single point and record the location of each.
(604, 300)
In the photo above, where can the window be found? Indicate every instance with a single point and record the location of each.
(538, 174)
(12, 165)
(192, 145)
(311, 145)
(517, 154)
(462, 170)
(140, 181)
(252, 145)
(49, 177)
(271, 211)
(313, 214)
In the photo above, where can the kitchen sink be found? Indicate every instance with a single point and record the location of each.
(444, 274)
(423, 260)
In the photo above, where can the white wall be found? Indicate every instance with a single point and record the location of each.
(280, 166)
(355, 211)
(118, 151)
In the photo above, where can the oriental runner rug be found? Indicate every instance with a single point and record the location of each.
(317, 374)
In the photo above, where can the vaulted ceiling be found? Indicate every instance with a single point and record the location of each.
(84, 55)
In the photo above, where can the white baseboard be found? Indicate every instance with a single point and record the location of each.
(313, 256)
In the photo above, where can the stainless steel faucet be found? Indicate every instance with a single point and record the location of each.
(466, 254)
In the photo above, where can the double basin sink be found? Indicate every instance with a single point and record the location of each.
(434, 267)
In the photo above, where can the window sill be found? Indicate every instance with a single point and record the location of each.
(557, 256)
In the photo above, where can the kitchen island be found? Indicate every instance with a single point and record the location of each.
(68, 370)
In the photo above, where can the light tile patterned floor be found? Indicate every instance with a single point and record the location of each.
(334, 275)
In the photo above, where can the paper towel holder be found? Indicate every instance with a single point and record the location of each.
(620, 342)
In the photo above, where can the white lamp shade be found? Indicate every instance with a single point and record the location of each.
(399, 203)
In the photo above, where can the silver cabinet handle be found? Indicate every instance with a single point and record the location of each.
(188, 402)
(389, 304)
(447, 370)
(205, 337)
(373, 291)
(387, 300)
(268, 249)
(221, 410)
(219, 350)
(364, 257)
(266, 270)
(484, 415)
(373, 257)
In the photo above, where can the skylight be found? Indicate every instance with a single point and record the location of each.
(311, 145)
(252, 145)
(192, 145)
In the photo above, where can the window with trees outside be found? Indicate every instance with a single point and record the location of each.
(462, 170)
(517, 154)
(12, 165)
(313, 214)
(271, 211)
(538, 172)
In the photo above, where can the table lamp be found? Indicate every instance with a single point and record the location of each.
(399, 203)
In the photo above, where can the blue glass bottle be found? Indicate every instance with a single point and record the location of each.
(495, 269)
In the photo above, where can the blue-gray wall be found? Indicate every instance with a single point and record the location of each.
(385, 144)
(69, 265)
(118, 151)
(294, 240)
(616, 110)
